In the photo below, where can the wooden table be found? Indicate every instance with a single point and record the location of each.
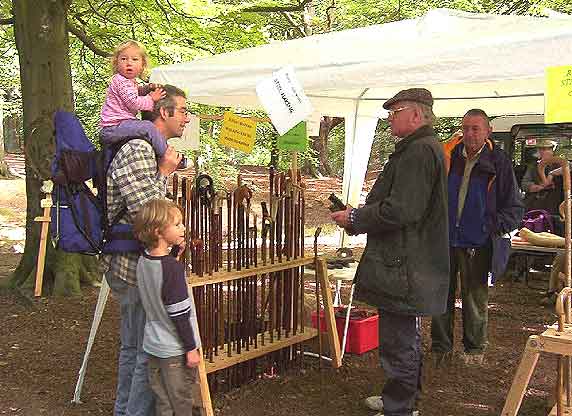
(527, 249)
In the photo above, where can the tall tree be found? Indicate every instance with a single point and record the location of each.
(42, 42)
(41, 31)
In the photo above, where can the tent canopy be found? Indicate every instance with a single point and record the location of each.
(493, 62)
(466, 60)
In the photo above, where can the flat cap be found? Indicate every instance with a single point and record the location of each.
(545, 144)
(418, 95)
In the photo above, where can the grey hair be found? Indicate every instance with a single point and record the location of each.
(426, 112)
(477, 112)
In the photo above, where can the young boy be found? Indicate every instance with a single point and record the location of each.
(171, 330)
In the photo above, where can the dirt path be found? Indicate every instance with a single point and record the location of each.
(42, 344)
(12, 215)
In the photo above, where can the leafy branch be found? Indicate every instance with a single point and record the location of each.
(87, 41)
(277, 9)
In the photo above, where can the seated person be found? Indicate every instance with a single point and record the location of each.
(546, 196)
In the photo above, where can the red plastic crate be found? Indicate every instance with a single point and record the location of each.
(362, 334)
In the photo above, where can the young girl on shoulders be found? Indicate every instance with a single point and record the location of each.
(125, 98)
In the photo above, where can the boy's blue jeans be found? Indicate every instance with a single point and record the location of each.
(134, 396)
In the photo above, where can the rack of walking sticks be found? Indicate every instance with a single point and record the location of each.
(247, 275)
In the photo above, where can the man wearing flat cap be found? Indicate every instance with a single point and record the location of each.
(405, 266)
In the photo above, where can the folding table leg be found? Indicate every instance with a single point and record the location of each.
(521, 378)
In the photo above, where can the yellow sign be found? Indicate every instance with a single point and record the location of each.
(558, 94)
(237, 132)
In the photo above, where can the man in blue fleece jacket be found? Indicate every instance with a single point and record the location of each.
(484, 204)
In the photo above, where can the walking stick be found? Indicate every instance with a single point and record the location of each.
(46, 204)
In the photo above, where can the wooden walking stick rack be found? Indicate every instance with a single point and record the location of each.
(249, 299)
(46, 204)
(558, 338)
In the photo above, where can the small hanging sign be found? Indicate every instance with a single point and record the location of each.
(284, 100)
(295, 139)
(558, 94)
(237, 132)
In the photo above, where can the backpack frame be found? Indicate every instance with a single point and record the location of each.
(79, 221)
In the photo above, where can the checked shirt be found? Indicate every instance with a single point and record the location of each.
(132, 180)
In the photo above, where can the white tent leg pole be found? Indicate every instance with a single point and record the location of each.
(101, 301)
(347, 321)
(359, 132)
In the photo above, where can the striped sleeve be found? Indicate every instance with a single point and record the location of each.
(128, 93)
(177, 302)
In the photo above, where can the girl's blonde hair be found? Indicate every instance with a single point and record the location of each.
(154, 216)
(126, 45)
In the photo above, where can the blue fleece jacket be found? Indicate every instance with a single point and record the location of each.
(493, 205)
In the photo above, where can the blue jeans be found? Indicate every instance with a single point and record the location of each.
(134, 396)
(135, 128)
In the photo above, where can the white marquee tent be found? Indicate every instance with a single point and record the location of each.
(466, 60)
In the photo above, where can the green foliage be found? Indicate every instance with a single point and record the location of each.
(382, 146)
(10, 74)
(336, 149)
(214, 160)
(445, 127)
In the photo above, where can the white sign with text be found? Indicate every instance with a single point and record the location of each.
(190, 138)
(283, 99)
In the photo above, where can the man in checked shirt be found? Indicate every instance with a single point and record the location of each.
(135, 177)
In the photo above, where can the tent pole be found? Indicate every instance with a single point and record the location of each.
(99, 308)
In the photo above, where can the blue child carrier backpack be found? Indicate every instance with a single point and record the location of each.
(79, 221)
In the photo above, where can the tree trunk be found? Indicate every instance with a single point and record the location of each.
(320, 146)
(45, 75)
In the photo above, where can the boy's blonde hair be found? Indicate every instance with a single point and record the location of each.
(154, 216)
(126, 45)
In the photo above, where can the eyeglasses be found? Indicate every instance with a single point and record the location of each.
(180, 110)
(392, 113)
(183, 110)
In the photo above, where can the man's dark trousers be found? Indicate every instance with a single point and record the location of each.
(401, 357)
(473, 265)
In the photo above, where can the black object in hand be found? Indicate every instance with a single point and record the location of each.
(337, 204)
(183, 164)
(175, 250)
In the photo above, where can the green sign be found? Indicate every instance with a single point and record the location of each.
(295, 139)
